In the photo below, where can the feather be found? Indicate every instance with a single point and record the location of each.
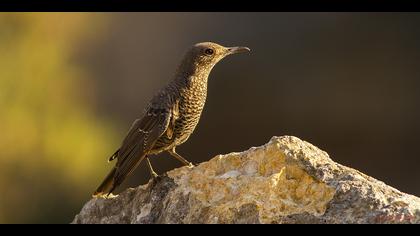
(139, 141)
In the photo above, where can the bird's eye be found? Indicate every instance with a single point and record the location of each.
(209, 51)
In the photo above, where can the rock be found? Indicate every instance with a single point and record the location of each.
(284, 181)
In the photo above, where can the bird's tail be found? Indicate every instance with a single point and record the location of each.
(107, 186)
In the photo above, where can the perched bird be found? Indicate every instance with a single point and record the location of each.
(170, 116)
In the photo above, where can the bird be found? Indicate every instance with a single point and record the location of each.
(170, 117)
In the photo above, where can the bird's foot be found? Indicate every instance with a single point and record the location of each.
(191, 165)
(155, 180)
(154, 175)
(110, 196)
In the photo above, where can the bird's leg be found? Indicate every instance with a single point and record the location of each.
(152, 172)
(180, 158)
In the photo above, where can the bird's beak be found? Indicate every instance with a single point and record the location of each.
(234, 50)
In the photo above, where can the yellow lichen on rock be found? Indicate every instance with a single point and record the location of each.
(286, 180)
(262, 177)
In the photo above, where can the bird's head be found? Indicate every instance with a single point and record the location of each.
(204, 56)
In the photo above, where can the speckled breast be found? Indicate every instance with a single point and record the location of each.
(190, 109)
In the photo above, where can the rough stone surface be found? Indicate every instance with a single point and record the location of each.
(284, 181)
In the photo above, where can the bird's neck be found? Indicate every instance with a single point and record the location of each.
(192, 75)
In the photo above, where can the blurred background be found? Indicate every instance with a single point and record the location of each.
(72, 83)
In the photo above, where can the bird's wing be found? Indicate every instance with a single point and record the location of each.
(140, 140)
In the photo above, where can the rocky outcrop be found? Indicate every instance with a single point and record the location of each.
(284, 181)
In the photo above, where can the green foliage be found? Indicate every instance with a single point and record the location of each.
(53, 147)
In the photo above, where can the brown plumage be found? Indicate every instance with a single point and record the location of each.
(171, 115)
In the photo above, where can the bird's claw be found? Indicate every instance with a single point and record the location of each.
(154, 175)
(110, 196)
